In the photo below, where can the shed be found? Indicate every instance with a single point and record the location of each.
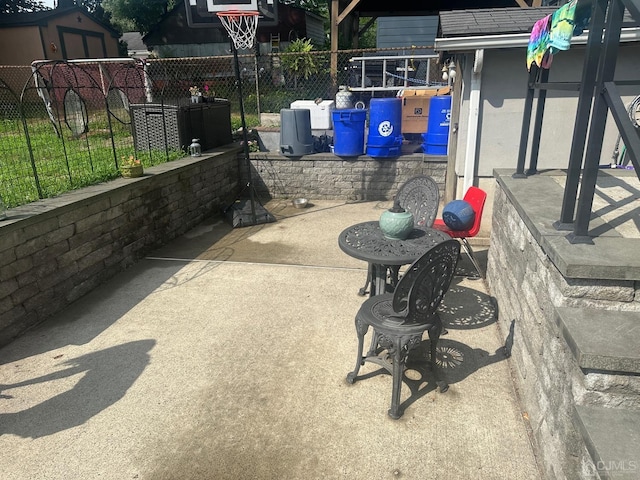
(64, 33)
(488, 47)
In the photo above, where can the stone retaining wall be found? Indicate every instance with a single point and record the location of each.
(530, 290)
(523, 280)
(328, 177)
(56, 250)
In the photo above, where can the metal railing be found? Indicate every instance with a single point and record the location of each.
(393, 73)
(597, 88)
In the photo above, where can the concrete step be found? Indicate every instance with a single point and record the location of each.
(605, 346)
(612, 438)
(602, 340)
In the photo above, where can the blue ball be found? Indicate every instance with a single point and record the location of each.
(458, 215)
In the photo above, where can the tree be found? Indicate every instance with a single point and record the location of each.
(95, 8)
(91, 5)
(302, 64)
(367, 37)
(139, 15)
(21, 6)
(319, 7)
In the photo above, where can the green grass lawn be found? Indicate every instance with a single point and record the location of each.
(43, 163)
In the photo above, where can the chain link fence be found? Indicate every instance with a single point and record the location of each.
(68, 124)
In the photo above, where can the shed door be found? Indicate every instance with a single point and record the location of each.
(76, 43)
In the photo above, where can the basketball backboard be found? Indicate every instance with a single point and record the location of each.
(202, 13)
(223, 5)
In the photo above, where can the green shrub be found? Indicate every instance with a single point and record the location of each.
(275, 100)
(302, 64)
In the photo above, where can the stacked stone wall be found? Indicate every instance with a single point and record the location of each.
(56, 250)
(328, 177)
(528, 288)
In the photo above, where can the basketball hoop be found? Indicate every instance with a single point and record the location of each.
(241, 26)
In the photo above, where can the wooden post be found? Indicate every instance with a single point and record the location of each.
(334, 46)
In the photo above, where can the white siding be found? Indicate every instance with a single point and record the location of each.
(504, 86)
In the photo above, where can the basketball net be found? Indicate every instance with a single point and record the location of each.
(241, 27)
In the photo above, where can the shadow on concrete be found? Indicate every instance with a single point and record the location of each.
(106, 376)
(466, 269)
(89, 316)
(465, 308)
(619, 208)
(456, 361)
(215, 240)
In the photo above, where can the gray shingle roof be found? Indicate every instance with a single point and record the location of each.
(490, 21)
(496, 21)
(41, 18)
(31, 18)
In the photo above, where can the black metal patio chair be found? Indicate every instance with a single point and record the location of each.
(399, 319)
(419, 195)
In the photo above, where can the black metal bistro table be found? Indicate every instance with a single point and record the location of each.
(365, 241)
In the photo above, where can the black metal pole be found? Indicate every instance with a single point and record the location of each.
(537, 124)
(583, 115)
(245, 137)
(606, 72)
(526, 123)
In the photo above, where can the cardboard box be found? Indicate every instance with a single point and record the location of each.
(415, 108)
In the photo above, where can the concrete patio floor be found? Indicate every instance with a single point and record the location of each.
(224, 355)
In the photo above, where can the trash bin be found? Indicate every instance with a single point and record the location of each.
(436, 139)
(385, 132)
(295, 132)
(348, 131)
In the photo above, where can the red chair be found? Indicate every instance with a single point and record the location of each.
(476, 198)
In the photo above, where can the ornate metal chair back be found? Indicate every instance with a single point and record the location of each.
(422, 287)
(420, 196)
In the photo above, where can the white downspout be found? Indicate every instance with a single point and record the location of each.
(474, 117)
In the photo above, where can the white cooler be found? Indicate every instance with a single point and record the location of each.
(320, 112)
